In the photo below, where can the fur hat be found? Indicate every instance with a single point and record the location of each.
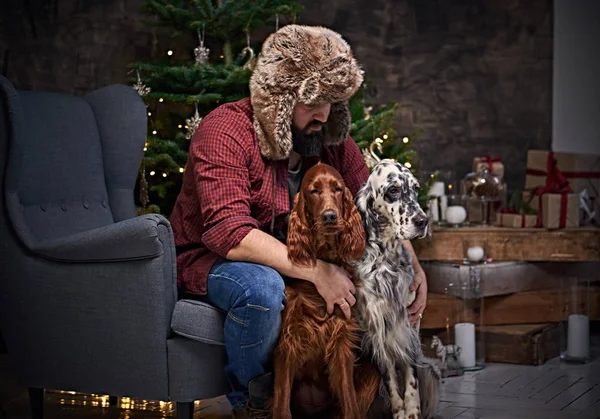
(306, 64)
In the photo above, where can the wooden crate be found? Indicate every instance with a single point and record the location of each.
(528, 344)
(513, 244)
(543, 306)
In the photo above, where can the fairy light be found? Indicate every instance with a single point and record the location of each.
(145, 148)
(405, 140)
(181, 170)
(408, 165)
(161, 99)
(164, 175)
(179, 126)
(152, 173)
(186, 127)
(385, 136)
(154, 132)
(149, 113)
(170, 52)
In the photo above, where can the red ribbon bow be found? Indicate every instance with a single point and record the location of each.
(556, 183)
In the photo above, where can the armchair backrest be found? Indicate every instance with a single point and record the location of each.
(65, 174)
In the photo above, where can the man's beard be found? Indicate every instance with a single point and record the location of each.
(308, 144)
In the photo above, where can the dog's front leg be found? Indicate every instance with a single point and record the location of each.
(340, 365)
(284, 377)
(393, 383)
(412, 401)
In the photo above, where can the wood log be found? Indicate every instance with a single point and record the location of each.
(513, 244)
(530, 307)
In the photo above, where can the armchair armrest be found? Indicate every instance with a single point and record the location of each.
(131, 239)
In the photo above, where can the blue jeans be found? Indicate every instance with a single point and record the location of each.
(253, 297)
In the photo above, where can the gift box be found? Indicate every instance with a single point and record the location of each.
(581, 171)
(517, 220)
(492, 164)
(560, 210)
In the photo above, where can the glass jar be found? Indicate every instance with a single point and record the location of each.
(575, 324)
(465, 327)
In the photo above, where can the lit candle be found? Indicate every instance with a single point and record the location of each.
(578, 336)
(464, 335)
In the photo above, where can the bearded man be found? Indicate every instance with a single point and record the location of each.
(245, 164)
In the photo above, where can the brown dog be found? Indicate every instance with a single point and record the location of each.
(316, 347)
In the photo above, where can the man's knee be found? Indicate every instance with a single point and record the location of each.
(260, 286)
(266, 288)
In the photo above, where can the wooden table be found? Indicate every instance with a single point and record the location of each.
(512, 244)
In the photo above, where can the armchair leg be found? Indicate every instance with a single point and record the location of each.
(36, 401)
(185, 410)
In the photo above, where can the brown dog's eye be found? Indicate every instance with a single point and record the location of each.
(338, 189)
(314, 191)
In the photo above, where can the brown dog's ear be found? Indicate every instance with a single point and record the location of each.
(300, 250)
(352, 240)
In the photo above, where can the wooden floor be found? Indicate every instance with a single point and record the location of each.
(500, 391)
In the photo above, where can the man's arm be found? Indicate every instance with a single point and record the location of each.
(419, 285)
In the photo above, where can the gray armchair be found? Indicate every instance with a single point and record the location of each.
(88, 295)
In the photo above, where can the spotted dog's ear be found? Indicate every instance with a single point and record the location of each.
(365, 204)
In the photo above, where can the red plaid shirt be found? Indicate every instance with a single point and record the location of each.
(228, 190)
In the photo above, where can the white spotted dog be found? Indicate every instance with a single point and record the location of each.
(391, 213)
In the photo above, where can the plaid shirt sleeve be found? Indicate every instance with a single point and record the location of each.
(353, 168)
(222, 182)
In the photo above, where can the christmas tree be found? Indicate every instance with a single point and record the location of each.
(373, 130)
(180, 90)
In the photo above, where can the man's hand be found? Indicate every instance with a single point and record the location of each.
(335, 287)
(419, 285)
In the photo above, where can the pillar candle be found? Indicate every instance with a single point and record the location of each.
(578, 336)
(464, 335)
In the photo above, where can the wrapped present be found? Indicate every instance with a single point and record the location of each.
(559, 210)
(508, 218)
(492, 164)
(581, 171)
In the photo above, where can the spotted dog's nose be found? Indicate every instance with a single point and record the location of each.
(329, 216)
(421, 221)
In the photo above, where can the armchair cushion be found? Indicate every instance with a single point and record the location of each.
(198, 321)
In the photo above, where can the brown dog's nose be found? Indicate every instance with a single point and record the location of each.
(329, 216)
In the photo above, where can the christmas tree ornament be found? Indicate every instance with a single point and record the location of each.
(140, 87)
(201, 52)
(371, 158)
(251, 62)
(192, 124)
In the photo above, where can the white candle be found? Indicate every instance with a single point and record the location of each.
(455, 214)
(578, 336)
(437, 189)
(475, 253)
(464, 335)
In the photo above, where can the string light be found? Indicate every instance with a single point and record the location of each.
(385, 136)
(408, 165)
(170, 52)
(160, 99)
(179, 126)
(405, 140)
(149, 113)
(181, 170)
(154, 132)
(164, 175)
(152, 173)
(145, 148)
